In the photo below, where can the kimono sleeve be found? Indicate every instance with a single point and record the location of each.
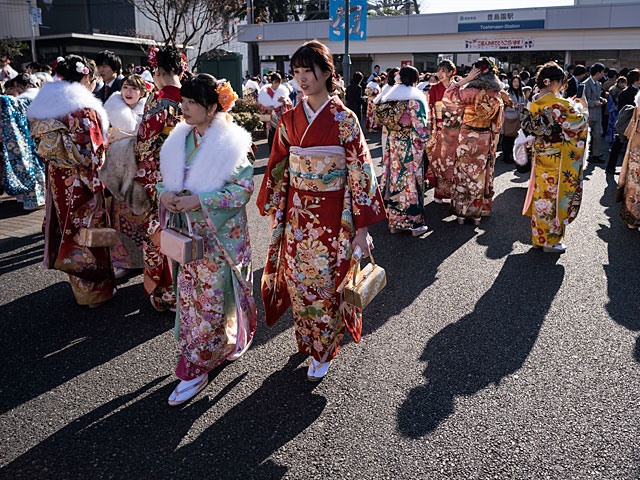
(273, 192)
(222, 205)
(86, 135)
(367, 206)
(573, 121)
(419, 124)
(458, 95)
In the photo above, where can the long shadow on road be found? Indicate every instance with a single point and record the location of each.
(138, 436)
(486, 345)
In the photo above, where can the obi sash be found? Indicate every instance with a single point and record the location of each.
(318, 169)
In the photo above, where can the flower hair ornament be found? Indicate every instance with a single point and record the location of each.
(487, 66)
(82, 68)
(226, 96)
(58, 61)
(396, 77)
(183, 62)
(152, 57)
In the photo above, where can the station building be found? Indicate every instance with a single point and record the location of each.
(586, 32)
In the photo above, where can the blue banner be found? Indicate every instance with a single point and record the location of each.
(357, 20)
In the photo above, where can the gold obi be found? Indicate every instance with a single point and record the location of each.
(318, 169)
(438, 108)
(482, 112)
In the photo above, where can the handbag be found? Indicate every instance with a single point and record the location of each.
(365, 284)
(180, 245)
(97, 236)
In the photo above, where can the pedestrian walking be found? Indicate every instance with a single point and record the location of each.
(321, 194)
(593, 94)
(559, 129)
(274, 100)
(207, 180)
(69, 126)
(511, 125)
(403, 111)
(475, 104)
(391, 81)
(162, 113)
(372, 90)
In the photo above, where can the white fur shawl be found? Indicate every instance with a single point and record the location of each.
(59, 99)
(384, 90)
(252, 85)
(403, 92)
(267, 101)
(295, 85)
(224, 145)
(30, 93)
(121, 115)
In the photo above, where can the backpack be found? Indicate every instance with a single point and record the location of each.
(624, 117)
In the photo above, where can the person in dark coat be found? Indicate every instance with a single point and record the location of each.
(355, 95)
(110, 68)
(626, 97)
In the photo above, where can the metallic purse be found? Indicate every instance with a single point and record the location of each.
(365, 284)
(97, 237)
(180, 245)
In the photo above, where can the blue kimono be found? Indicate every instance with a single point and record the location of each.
(23, 172)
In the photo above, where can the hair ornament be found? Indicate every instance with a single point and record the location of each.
(547, 82)
(152, 57)
(82, 68)
(226, 96)
(183, 62)
(397, 77)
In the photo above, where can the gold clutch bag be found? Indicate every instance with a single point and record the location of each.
(181, 246)
(97, 237)
(365, 284)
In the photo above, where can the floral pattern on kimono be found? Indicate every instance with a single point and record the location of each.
(371, 123)
(206, 314)
(316, 214)
(161, 113)
(403, 178)
(475, 148)
(629, 178)
(73, 150)
(555, 187)
(443, 139)
(23, 172)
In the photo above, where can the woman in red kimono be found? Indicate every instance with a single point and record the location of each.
(70, 128)
(321, 193)
(161, 114)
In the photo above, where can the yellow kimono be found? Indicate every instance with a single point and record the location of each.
(555, 187)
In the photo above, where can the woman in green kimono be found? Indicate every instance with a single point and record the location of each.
(206, 175)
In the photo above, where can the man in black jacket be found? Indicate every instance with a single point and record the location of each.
(355, 95)
(626, 97)
(110, 67)
(572, 83)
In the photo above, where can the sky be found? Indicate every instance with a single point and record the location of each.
(438, 6)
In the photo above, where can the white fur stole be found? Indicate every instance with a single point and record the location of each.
(121, 115)
(224, 145)
(59, 99)
(403, 92)
(267, 101)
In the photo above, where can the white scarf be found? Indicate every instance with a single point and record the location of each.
(224, 145)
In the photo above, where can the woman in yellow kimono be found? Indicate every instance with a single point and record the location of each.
(559, 130)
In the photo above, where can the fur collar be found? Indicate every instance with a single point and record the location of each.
(373, 85)
(401, 92)
(224, 145)
(266, 100)
(59, 99)
(121, 115)
(29, 93)
(486, 81)
(252, 85)
(638, 99)
(295, 85)
(384, 90)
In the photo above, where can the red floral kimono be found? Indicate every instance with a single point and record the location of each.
(441, 160)
(372, 91)
(72, 148)
(320, 186)
(161, 113)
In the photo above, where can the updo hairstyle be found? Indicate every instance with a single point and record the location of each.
(486, 65)
(315, 53)
(67, 68)
(168, 59)
(551, 71)
(391, 76)
(202, 89)
(409, 75)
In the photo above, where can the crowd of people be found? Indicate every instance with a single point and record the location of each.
(151, 172)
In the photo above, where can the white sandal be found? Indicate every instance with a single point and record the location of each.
(187, 389)
(317, 370)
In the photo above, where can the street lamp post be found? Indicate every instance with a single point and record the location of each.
(346, 60)
(33, 33)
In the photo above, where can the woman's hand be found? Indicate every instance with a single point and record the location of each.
(168, 199)
(362, 240)
(187, 204)
(98, 200)
(472, 75)
(272, 221)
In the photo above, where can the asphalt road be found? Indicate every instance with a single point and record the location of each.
(483, 358)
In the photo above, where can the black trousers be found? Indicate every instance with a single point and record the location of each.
(617, 147)
(507, 149)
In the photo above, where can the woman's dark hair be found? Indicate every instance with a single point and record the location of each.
(169, 59)
(621, 80)
(633, 76)
(68, 68)
(357, 78)
(409, 75)
(391, 76)
(447, 65)
(486, 65)
(107, 57)
(26, 80)
(315, 53)
(202, 89)
(275, 77)
(516, 91)
(551, 71)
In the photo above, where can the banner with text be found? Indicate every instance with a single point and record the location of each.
(496, 21)
(357, 20)
(476, 44)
